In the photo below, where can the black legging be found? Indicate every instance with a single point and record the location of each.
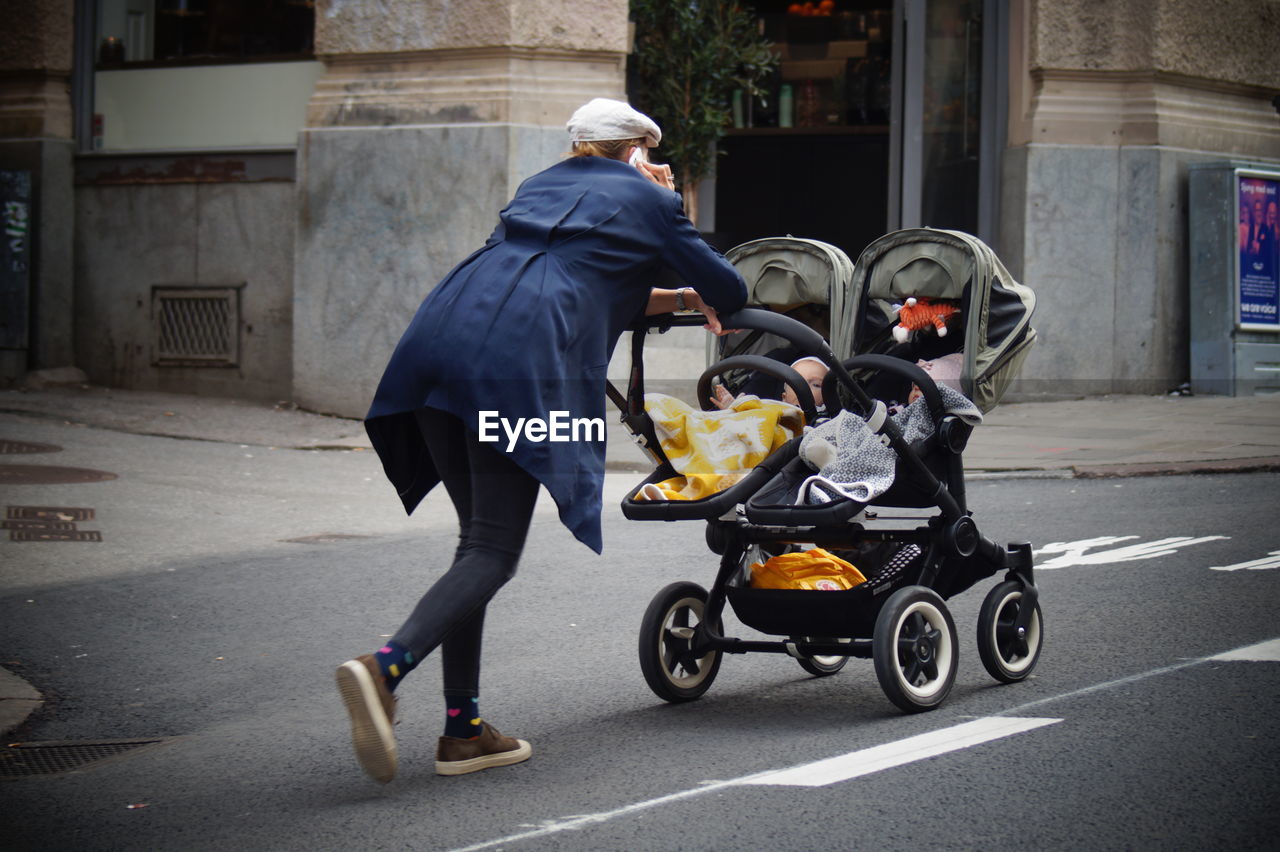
(494, 498)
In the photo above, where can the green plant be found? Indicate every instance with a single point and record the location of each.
(690, 56)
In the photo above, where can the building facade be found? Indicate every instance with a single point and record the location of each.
(250, 199)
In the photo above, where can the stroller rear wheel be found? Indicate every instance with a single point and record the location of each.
(666, 638)
(821, 665)
(914, 649)
(1008, 654)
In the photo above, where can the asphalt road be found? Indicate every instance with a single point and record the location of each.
(201, 619)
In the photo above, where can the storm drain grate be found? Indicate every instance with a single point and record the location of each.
(54, 535)
(48, 513)
(11, 447)
(195, 326)
(60, 526)
(48, 523)
(23, 760)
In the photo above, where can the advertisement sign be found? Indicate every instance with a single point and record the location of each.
(1257, 280)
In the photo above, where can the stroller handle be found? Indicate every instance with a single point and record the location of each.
(793, 331)
(920, 378)
(802, 337)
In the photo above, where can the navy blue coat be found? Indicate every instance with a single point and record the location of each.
(525, 326)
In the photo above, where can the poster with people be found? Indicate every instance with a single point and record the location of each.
(1259, 250)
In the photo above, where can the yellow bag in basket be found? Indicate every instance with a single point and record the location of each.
(814, 570)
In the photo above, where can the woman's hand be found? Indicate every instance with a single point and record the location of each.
(694, 301)
(659, 174)
(664, 301)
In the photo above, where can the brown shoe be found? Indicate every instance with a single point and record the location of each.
(373, 709)
(457, 756)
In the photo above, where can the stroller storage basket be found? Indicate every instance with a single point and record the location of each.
(847, 614)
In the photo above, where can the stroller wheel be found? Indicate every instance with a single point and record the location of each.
(667, 633)
(1007, 655)
(914, 649)
(821, 665)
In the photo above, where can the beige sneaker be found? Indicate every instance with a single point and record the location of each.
(456, 756)
(373, 709)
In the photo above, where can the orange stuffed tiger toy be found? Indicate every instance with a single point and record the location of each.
(919, 314)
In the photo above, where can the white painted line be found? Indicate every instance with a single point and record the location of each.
(1073, 552)
(1271, 560)
(1110, 684)
(576, 822)
(1263, 652)
(857, 763)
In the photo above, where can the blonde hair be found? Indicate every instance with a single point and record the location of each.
(611, 149)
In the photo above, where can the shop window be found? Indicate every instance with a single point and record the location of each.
(174, 75)
(833, 70)
(200, 32)
(810, 156)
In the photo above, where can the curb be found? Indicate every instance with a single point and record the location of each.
(1265, 464)
(1105, 471)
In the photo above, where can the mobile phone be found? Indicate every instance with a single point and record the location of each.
(636, 157)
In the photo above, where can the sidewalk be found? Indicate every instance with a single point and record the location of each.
(1101, 436)
(1097, 436)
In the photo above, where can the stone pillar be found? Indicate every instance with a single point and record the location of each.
(36, 48)
(1110, 102)
(429, 115)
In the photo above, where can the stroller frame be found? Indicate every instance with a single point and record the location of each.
(898, 617)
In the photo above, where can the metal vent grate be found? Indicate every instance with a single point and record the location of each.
(22, 760)
(196, 326)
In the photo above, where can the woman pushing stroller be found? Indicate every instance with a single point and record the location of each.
(525, 326)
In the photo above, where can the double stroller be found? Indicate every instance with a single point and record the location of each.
(915, 542)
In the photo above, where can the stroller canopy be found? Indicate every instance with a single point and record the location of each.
(952, 265)
(788, 274)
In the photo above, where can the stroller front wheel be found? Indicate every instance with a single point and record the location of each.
(668, 632)
(1008, 654)
(914, 649)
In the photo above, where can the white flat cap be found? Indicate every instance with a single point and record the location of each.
(604, 119)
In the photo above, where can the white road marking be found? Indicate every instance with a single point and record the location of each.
(1073, 552)
(1263, 652)
(1271, 560)
(575, 822)
(869, 760)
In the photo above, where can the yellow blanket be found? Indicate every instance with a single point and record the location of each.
(714, 449)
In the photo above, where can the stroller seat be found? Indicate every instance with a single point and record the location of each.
(717, 505)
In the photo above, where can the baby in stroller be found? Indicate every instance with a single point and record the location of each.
(908, 565)
(812, 370)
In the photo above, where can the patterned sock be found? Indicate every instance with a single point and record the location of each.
(462, 716)
(396, 661)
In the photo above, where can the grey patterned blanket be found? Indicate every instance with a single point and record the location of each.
(852, 461)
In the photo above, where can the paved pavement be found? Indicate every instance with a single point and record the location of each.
(1107, 435)
(1097, 436)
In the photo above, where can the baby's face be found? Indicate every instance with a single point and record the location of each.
(813, 373)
